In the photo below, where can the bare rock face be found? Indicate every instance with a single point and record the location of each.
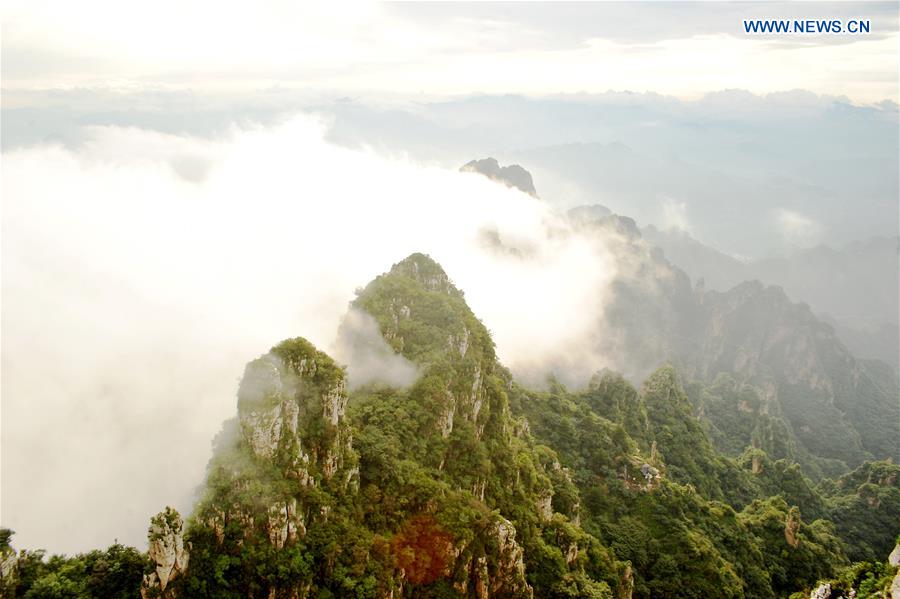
(791, 527)
(267, 415)
(500, 574)
(284, 523)
(650, 473)
(510, 578)
(757, 464)
(334, 404)
(445, 421)
(626, 583)
(280, 394)
(291, 405)
(545, 505)
(822, 592)
(167, 550)
(894, 557)
(894, 561)
(9, 569)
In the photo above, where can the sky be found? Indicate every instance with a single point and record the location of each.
(681, 49)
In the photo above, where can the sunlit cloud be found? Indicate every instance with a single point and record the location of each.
(798, 229)
(376, 47)
(141, 271)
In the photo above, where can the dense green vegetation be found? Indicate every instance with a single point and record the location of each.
(468, 484)
(115, 573)
(789, 387)
(761, 370)
(705, 527)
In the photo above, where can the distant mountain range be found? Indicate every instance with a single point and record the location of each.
(855, 288)
(838, 410)
(752, 175)
(833, 409)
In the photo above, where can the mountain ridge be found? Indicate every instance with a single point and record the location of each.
(454, 487)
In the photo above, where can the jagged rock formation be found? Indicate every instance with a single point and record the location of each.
(167, 551)
(823, 591)
(511, 176)
(462, 387)
(791, 527)
(508, 577)
(289, 446)
(894, 561)
(282, 392)
(436, 474)
(9, 565)
(464, 483)
(403, 492)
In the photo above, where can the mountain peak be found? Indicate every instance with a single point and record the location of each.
(424, 270)
(422, 314)
(512, 175)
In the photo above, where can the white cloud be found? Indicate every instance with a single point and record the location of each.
(134, 291)
(798, 230)
(674, 215)
(367, 46)
(368, 357)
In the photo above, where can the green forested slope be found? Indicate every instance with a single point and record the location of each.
(467, 484)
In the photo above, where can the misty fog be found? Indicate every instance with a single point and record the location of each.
(142, 270)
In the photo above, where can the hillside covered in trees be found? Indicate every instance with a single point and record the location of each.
(465, 483)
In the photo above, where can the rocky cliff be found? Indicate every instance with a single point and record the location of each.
(460, 482)
(384, 491)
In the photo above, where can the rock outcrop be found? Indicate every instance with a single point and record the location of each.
(418, 489)
(823, 591)
(894, 560)
(510, 580)
(167, 551)
(792, 527)
(282, 395)
(505, 576)
(289, 442)
(626, 584)
(9, 569)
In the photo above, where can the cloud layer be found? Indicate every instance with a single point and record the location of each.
(142, 270)
(449, 48)
(368, 357)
